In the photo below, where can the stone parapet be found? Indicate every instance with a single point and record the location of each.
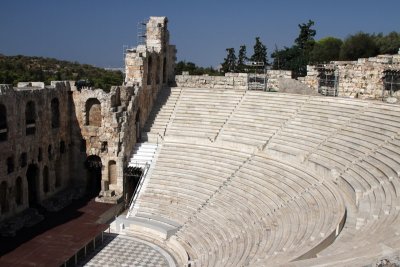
(235, 81)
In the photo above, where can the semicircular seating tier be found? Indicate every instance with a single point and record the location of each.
(258, 179)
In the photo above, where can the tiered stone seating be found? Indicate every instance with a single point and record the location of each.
(243, 208)
(317, 120)
(259, 116)
(282, 199)
(366, 132)
(180, 183)
(202, 112)
(162, 112)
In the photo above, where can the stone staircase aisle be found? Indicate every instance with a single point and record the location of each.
(161, 114)
(143, 154)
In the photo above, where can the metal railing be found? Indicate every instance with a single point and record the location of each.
(137, 190)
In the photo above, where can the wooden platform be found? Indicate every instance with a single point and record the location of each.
(55, 246)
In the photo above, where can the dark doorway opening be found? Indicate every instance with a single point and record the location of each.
(93, 166)
(32, 175)
(137, 122)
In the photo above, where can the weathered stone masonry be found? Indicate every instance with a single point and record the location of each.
(359, 79)
(35, 146)
(237, 81)
(49, 133)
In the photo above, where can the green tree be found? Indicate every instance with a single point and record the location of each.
(326, 50)
(305, 40)
(194, 70)
(260, 52)
(297, 57)
(388, 44)
(359, 45)
(242, 58)
(229, 64)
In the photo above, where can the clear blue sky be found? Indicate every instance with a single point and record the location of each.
(94, 32)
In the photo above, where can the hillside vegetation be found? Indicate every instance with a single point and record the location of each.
(14, 69)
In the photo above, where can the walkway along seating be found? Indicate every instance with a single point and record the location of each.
(247, 178)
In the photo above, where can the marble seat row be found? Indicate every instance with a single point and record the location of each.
(237, 220)
(322, 158)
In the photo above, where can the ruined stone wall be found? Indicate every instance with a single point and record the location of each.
(236, 81)
(35, 144)
(362, 78)
(49, 133)
(110, 123)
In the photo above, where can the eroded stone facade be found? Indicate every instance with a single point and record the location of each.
(54, 137)
(363, 78)
(35, 146)
(237, 81)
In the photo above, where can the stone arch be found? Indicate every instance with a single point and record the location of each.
(19, 191)
(30, 118)
(4, 197)
(55, 113)
(46, 182)
(62, 147)
(164, 76)
(93, 112)
(3, 123)
(158, 70)
(149, 70)
(10, 164)
(112, 172)
(59, 172)
(137, 123)
(32, 175)
(93, 166)
(50, 152)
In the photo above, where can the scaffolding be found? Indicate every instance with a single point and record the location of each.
(141, 32)
(391, 82)
(258, 79)
(328, 81)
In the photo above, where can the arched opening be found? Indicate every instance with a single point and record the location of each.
(3, 123)
(23, 160)
(112, 172)
(46, 182)
(10, 165)
(62, 147)
(32, 175)
(59, 173)
(149, 70)
(55, 113)
(40, 154)
(30, 118)
(158, 66)
(19, 193)
(3, 197)
(93, 112)
(164, 76)
(50, 152)
(137, 123)
(93, 166)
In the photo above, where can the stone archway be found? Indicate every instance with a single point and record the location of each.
(3, 197)
(93, 112)
(32, 175)
(46, 182)
(93, 166)
(19, 191)
(3, 123)
(137, 123)
(112, 172)
(55, 113)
